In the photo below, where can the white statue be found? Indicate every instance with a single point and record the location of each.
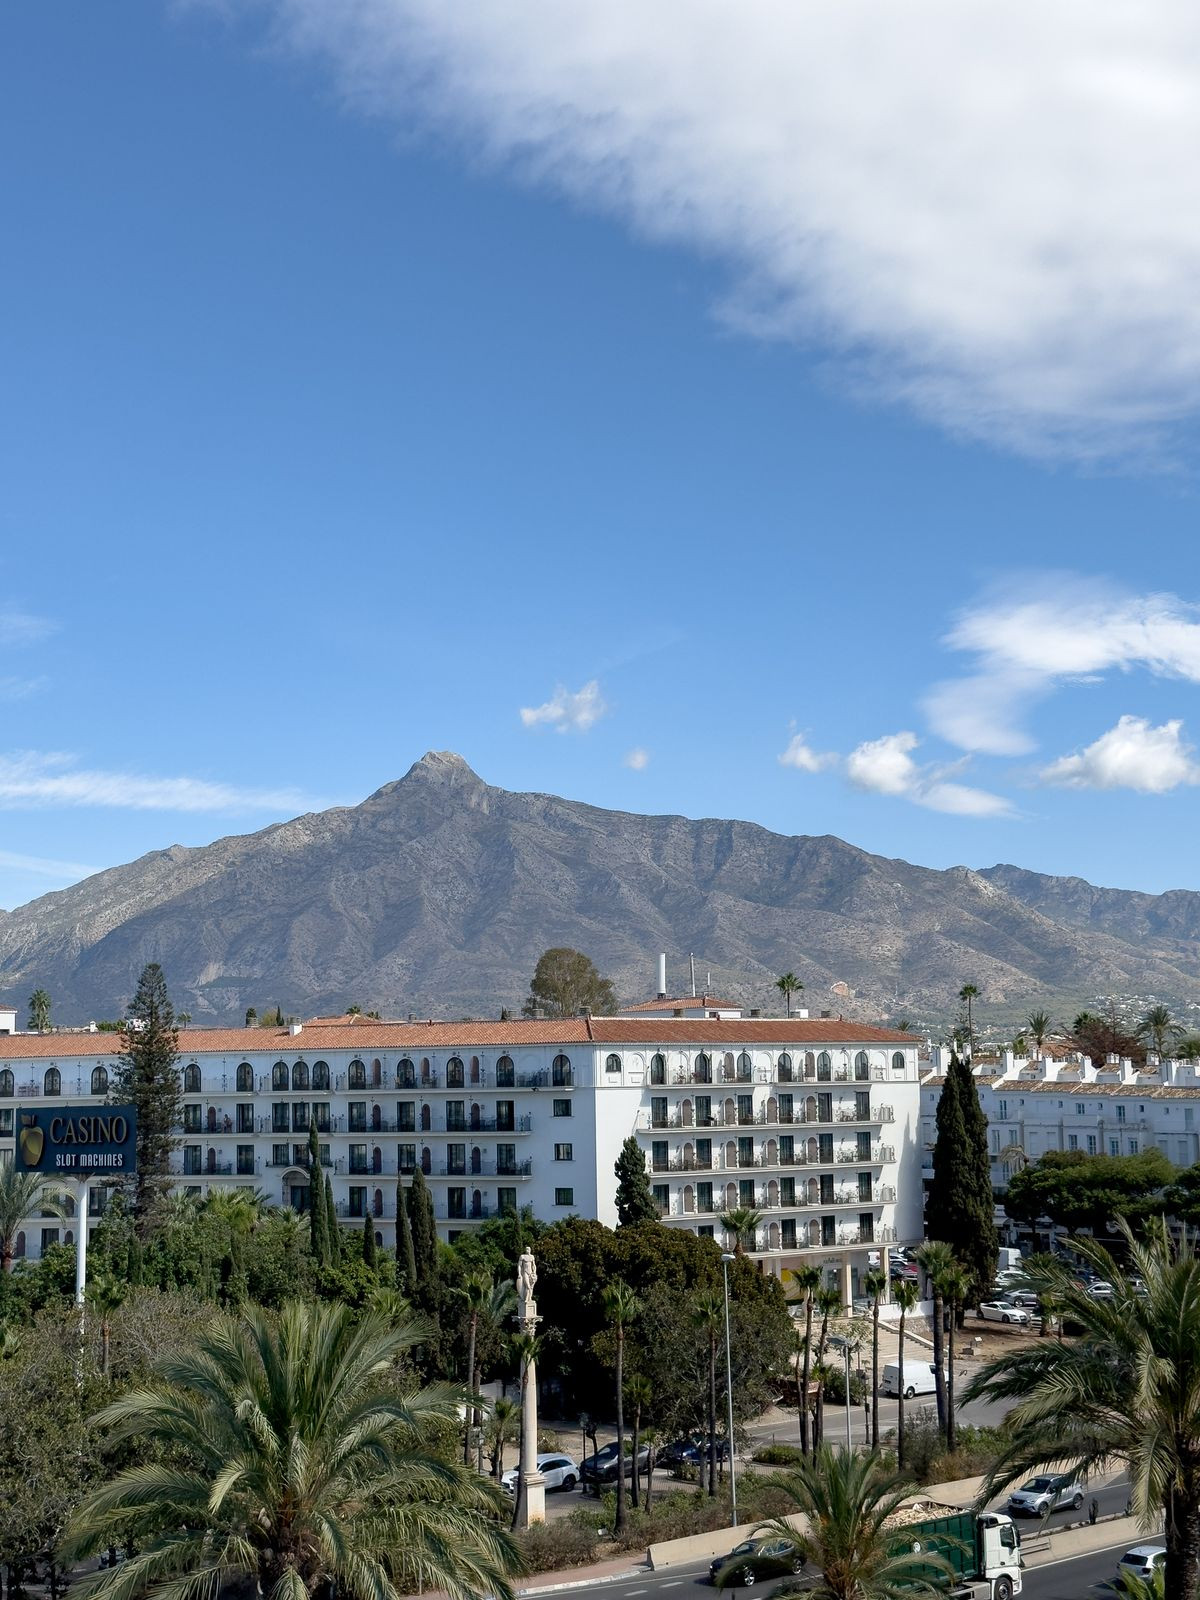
(526, 1279)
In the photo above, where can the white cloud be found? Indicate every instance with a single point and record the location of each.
(1051, 629)
(886, 766)
(566, 712)
(22, 627)
(637, 759)
(39, 779)
(1133, 755)
(799, 755)
(986, 212)
(21, 688)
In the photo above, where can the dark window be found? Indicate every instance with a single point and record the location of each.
(783, 1068)
(560, 1072)
(406, 1074)
(704, 1154)
(863, 1150)
(52, 1081)
(281, 1119)
(864, 1186)
(279, 1155)
(862, 1066)
(787, 1111)
(279, 1076)
(6, 1084)
(744, 1065)
(99, 1080)
(562, 1152)
(300, 1076)
(562, 1108)
(506, 1073)
(506, 1116)
(866, 1228)
(358, 1075)
(320, 1081)
(702, 1069)
(828, 1230)
(746, 1192)
(862, 1105)
(704, 1197)
(787, 1149)
(506, 1201)
(787, 1191)
(6, 1122)
(824, 1067)
(300, 1117)
(745, 1152)
(658, 1069)
(49, 1237)
(612, 1063)
(245, 1118)
(564, 1197)
(897, 1060)
(745, 1109)
(456, 1116)
(824, 1107)
(456, 1158)
(456, 1203)
(245, 1160)
(320, 1113)
(406, 1157)
(506, 1158)
(658, 1111)
(827, 1188)
(704, 1111)
(358, 1201)
(358, 1159)
(787, 1233)
(191, 1119)
(456, 1076)
(825, 1148)
(658, 1155)
(245, 1078)
(191, 1079)
(406, 1116)
(357, 1110)
(662, 1195)
(191, 1158)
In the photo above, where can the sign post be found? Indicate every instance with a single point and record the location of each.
(76, 1144)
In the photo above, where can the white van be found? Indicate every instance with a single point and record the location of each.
(1009, 1260)
(920, 1377)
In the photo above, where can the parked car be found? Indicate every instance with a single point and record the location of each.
(1023, 1297)
(559, 1471)
(602, 1467)
(908, 1270)
(691, 1452)
(1143, 1561)
(1003, 1311)
(754, 1559)
(1050, 1491)
(1101, 1289)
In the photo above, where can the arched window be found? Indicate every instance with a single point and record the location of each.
(784, 1068)
(320, 1079)
(506, 1073)
(191, 1079)
(658, 1069)
(810, 1064)
(862, 1066)
(824, 1067)
(744, 1065)
(406, 1074)
(560, 1072)
(245, 1078)
(300, 1075)
(703, 1068)
(358, 1075)
(612, 1063)
(897, 1060)
(52, 1081)
(6, 1084)
(456, 1075)
(279, 1075)
(99, 1080)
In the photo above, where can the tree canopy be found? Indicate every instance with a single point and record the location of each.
(635, 1199)
(564, 983)
(1083, 1193)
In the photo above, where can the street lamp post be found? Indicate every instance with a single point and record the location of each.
(844, 1346)
(726, 1258)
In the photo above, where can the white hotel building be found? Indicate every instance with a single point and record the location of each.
(812, 1123)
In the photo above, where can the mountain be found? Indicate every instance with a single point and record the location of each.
(437, 894)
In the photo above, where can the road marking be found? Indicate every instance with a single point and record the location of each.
(675, 1584)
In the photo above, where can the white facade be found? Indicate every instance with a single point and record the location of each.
(812, 1123)
(1034, 1106)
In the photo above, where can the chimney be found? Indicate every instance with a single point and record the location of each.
(585, 1011)
(662, 976)
(294, 1028)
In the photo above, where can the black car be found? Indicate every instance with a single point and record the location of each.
(691, 1452)
(746, 1563)
(602, 1467)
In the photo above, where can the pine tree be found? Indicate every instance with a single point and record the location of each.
(319, 1243)
(959, 1209)
(147, 1077)
(424, 1238)
(370, 1258)
(406, 1265)
(635, 1198)
(333, 1233)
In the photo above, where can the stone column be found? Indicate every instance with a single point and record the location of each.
(847, 1286)
(531, 1490)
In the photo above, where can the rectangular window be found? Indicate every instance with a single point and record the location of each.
(1091, 1139)
(746, 1192)
(6, 1121)
(828, 1230)
(562, 1108)
(827, 1188)
(358, 1158)
(787, 1191)
(704, 1154)
(1072, 1141)
(279, 1155)
(704, 1197)
(662, 1195)
(862, 1146)
(745, 1151)
(456, 1158)
(506, 1158)
(658, 1111)
(357, 1116)
(866, 1227)
(786, 1112)
(864, 1186)
(1133, 1147)
(1120, 1113)
(191, 1119)
(320, 1113)
(406, 1116)
(300, 1155)
(658, 1155)
(300, 1117)
(358, 1201)
(506, 1116)
(705, 1230)
(245, 1119)
(704, 1116)
(995, 1141)
(506, 1201)
(745, 1110)
(1114, 1147)
(323, 1155)
(862, 1105)
(49, 1237)
(563, 1152)
(1080, 1108)
(456, 1116)
(825, 1149)
(787, 1150)
(245, 1160)
(1003, 1108)
(191, 1158)
(406, 1157)
(281, 1117)
(564, 1197)
(456, 1203)
(787, 1233)
(824, 1107)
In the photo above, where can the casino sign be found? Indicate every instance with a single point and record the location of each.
(77, 1141)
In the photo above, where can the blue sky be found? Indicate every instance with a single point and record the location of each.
(622, 403)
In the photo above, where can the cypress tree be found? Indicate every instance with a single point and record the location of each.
(635, 1198)
(370, 1259)
(316, 1199)
(406, 1264)
(333, 1234)
(147, 1077)
(959, 1206)
(424, 1235)
(980, 1248)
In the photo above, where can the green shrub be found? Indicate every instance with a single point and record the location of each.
(835, 1388)
(549, 1546)
(779, 1455)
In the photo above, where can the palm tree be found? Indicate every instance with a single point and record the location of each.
(907, 1296)
(967, 993)
(708, 1314)
(278, 1456)
(955, 1286)
(104, 1295)
(846, 1499)
(503, 1421)
(829, 1302)
(807, 1280)
(938, 1259)
(39, 1011)
(1159, 1026)
(621, 1306)
(474, 1292)
(742, 1222)
(1038, 1025)
(1127, 1389)
(875, 1282)
(788, 985)
(639, 1395)
(500, 1305)
(22, 1194)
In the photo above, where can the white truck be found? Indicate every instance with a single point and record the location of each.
(983, 1549)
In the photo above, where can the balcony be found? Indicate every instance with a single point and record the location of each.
(487, 1169)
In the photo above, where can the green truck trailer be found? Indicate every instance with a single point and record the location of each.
(982, 1547)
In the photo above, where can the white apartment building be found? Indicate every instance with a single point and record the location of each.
(1033, 1106)
(812, 1123)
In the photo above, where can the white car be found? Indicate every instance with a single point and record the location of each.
(1143, 1561)
(1100, 1289)
(1003, 1311)
(559, 1471)
(1050, 1491)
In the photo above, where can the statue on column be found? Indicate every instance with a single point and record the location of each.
(526, 1281)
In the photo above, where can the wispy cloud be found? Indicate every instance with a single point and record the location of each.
(46, 867)
(46, 778)
(1037, 633)
(637, 759)
(13, 689)
(799, 755)
(566, 712)
(19, 627)
(1131, 755)
(985, 214)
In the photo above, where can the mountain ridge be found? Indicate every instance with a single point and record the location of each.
(437, 893)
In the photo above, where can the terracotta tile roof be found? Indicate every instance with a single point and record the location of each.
(1127, 1091)
(687, 1002)
(364, 1035)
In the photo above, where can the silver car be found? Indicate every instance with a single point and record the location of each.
(1051, 1491)
(559, 1471)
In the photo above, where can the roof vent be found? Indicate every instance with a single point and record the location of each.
(294, 1028)
(754, 1012)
